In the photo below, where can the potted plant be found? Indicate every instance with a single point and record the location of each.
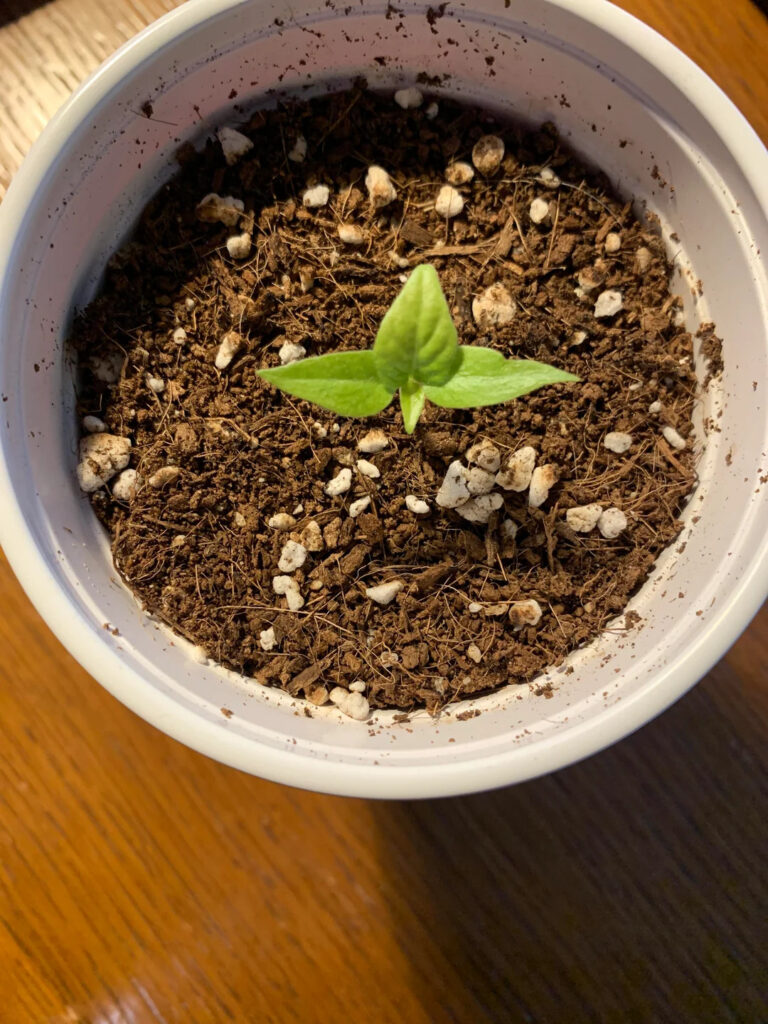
(155, 673)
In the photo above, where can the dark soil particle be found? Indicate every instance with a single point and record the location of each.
(199, 552)
(711, 351)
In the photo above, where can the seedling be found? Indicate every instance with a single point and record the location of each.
(416, 353)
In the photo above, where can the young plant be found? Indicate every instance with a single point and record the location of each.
(416, 353)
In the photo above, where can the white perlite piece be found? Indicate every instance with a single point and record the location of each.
(351, 234)
(654, 408)
(374, 441)
(281, 521)
(233, 144)
(239, 246)
(643, 260)
(494, 306)
(312, 536)
(418, 506)
(672, 438)
(517, 470)
(609, 303)
(156, 385)
(459, 173)
(583, 518)
(479, 481)
(539, 210)
(316, 197)
(453, 490)
(340, 483)
(474, 653)
(484, 454)
(292, 557)
(366, 468)
(549, 179)
(359, 506)
(611, 523)
(432, 111)
(384, 593)
(230, 345)
(487, 154)
(449, 202)
(267, 639)
(409, 98)
(189, 303)
(125, 484)
(357, 687)
(198, 654)
(617, 441)
(612, 242)
(179, 336)
(525, 613)
(480, 510)
(399, 261)
(94, 425)
(290, 352)
(509, 529)
(287, 587)
(107, 366)
(298, 151)
(474, 608)
(578, 338)
(353, 705)
(544, 478)
(381, 190)
(164, 477)
(224, 209)
(100, 457)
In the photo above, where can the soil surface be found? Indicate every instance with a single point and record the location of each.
(198, 550)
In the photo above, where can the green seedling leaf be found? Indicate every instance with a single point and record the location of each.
(416, 352)
(485, 377)
(344, 382)
(412, 400)
(417, 340)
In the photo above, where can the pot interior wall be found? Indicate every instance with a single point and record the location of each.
(613, 108)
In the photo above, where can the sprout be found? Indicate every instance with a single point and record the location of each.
(416, 354)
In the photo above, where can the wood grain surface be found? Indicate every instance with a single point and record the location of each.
(140, 882)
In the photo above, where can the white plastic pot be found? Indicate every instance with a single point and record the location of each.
(622, 96)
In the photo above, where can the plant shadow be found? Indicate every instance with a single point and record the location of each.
(625, 888)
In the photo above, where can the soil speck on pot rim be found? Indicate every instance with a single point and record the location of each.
(255, 472)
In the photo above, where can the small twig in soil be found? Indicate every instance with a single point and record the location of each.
(552, 235)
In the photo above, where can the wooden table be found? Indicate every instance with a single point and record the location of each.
(140, 882)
